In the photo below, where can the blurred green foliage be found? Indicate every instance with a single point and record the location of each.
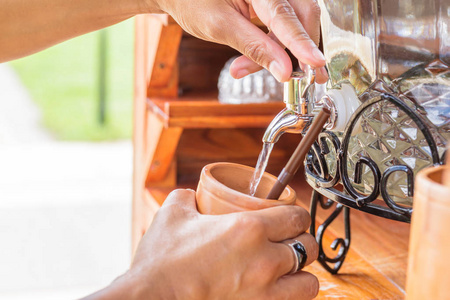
(63, 81)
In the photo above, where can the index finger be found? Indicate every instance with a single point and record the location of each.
(283, 222)
(282, 20)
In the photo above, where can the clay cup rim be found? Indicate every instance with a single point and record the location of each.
(218, 177)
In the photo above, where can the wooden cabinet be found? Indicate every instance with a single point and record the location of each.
(179, 126)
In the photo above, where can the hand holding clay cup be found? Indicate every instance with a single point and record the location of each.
(236, 255)
(223, 189)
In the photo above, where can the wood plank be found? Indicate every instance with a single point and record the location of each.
(200, 63)
(139, 141)
(221, 122)
(162, 42)
(161, 159)
(209, 105)
(215, 108)
(153, 59)
(357, 279)
(198, 147)
(210, 113)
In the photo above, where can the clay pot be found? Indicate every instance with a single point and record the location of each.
(223, 188)
(429, 248)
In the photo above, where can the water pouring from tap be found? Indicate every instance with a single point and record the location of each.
(295, 118)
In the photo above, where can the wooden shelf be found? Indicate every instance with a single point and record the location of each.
(207, 112)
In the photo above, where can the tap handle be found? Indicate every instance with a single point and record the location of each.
(296, 91)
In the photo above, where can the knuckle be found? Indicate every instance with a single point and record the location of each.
(300, 37)
(164, 211)
(281, 8)
(214, 28)
(257, 52)
(250, 223)
(301, 219)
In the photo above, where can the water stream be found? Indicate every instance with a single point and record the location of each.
(261, 165)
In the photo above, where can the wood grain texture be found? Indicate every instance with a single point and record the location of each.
(381, 243)
(200, 64)
(210, 113)
(428, 270)
(160, 152)
(357, 279)
(157, 41)
(163, 43)
(199, 147)
(139, 141)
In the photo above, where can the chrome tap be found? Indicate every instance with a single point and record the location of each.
(299, 99)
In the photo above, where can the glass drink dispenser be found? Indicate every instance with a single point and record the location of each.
(389, 93)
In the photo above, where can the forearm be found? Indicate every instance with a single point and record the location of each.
(30, 26)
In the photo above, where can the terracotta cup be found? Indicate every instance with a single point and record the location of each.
(429, 246)
(223, 188)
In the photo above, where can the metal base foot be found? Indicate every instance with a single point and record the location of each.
(341, 245)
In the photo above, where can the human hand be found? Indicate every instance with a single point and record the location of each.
(186, 255)
(293, 24)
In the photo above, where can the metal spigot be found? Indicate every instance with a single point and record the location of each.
(299, 98)
(297, 91)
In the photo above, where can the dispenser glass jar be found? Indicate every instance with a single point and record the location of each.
(400, 49)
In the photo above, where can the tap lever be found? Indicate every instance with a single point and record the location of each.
(296, 91)
(298, 114)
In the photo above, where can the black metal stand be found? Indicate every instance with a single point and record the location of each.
(324, 183)
(342, 243)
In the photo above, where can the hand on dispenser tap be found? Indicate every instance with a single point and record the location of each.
(293, 24)
(187, 255)
(303, 31)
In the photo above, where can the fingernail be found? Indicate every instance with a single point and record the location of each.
(276, 70)
(318, 54)
(242, 73)
(190, 190)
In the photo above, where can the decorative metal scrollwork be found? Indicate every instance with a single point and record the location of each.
(325, 184)
(331, 264)
(318, 177)
(391, 203)
(362, 200)
(316, 160)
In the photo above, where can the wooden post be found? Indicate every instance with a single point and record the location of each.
(156, 74)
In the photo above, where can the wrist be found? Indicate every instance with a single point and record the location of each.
(150, 7)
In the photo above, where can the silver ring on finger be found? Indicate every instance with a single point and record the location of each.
(299, 253)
